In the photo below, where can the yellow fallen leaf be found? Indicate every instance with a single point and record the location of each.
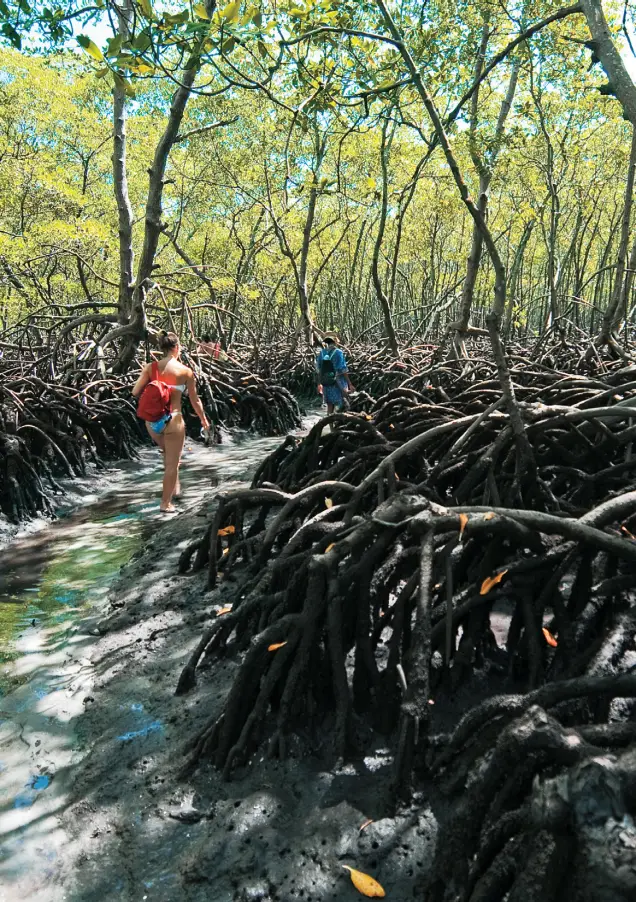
(549, 638)
(328, 502)
(625, 530)
(365, 825)
(329, 547)
(275, 646)
(225, 610)
(233, 400)
(365, 884)
(491, 581)
(490, 516)
(463, 520)
(391, 426)
(227, 531)
(367, 417)
(226, 551)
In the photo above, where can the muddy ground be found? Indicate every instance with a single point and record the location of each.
(278, 831)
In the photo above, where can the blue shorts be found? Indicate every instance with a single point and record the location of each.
(159, 425)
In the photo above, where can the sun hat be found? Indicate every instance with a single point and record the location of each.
(330, 335)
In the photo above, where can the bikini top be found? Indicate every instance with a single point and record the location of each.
(156, 376)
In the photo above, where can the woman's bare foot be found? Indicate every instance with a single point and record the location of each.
(170, 509)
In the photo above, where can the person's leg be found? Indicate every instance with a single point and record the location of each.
(174, 438)
(329, 409)
(156, 437)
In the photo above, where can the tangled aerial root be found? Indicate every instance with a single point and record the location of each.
(376, 558)
(62, 405)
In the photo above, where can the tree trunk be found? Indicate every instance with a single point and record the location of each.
(613, 311)
(385, 148)
(120, 180)
(619, 78)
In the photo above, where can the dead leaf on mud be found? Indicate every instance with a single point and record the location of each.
(365, 825)
(227, 531)
(328, 502)
(225, 610)
(365, 884)
(549, 638)
(626, 532)
(329, 547)
(490, 516)
(275, 646)
(491, 581)
(463, 520)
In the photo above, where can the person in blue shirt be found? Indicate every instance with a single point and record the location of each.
(333, 377)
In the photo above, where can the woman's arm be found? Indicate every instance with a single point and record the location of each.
(343, 371)
(196, 401)
(142, 382)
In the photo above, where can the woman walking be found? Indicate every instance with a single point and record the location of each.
(169, 431)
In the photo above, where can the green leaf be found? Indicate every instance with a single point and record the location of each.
(146, 8)
(92, 49)
(231, 12)
(229, 45)
(142, 42)
(201, 11)
(124, 85)
(114, 45)
(9, 31)
(177, 18)
(102, 72)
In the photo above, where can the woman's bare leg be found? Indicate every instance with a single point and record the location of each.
(174, 439)
(156, 437)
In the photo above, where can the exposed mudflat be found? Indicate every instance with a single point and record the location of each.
(92, 737)
(278, 831)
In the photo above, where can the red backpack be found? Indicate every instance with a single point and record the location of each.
(154, 402)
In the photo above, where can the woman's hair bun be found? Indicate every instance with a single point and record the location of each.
(168, 341)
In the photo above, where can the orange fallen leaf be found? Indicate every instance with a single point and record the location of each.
(226, 551)
(225, 610)
(463, 520)
(367, 417)
(275, 646)
(627, 532)
(549, 638)
(365, 825)
(391, 426)
(227, 531)
(490, 516)
(233, 400)
(491, 581)
(329, 547)
(397, 478)
(365, 884)
(328, 502)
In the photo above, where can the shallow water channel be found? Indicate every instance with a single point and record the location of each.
(53, 585)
